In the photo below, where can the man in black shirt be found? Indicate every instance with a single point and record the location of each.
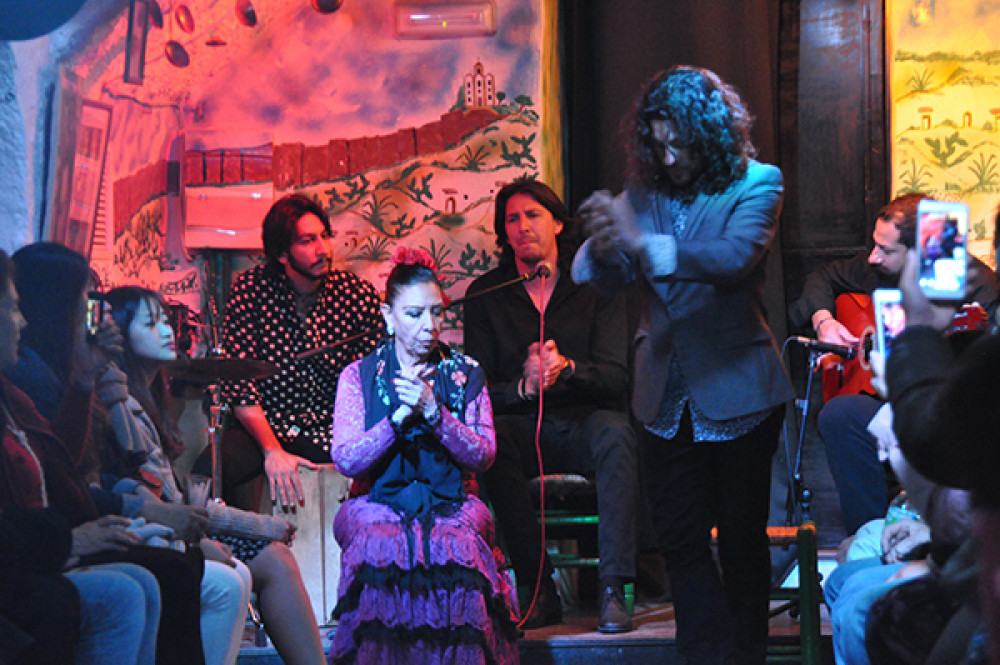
(581, 373)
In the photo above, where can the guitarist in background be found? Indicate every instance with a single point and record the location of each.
(851, 450)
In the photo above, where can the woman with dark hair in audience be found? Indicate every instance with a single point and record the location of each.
(113, 614)
(418, 578)
(139, 426)
(58, 363)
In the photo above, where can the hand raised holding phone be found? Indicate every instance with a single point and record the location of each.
(942, 236)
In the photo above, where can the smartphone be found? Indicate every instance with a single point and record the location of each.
(95, 312)
(890, 319)
(942, 233)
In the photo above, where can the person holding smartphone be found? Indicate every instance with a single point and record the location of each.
(850, 449)
(946, 420)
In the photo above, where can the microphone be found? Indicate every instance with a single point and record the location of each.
(543, 269)
(824, 347)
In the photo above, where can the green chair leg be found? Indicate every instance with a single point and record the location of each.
(809, 592)
(630, 598)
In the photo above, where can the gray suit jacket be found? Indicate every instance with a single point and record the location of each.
(709, 310)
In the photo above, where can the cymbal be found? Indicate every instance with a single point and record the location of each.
(209, 370)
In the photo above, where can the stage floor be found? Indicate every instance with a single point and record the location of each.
(577, 642)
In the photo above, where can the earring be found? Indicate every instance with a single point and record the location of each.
(388, 329)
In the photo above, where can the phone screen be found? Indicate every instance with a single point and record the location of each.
(942, 232)
(95, 312)
(890, 318)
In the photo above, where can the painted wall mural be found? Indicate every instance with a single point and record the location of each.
(944, 86)
(401, 141)
(440, 200)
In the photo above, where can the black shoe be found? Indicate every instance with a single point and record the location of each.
(547, 610)
(614, 618)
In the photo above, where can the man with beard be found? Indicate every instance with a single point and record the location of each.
(578, 377)
(295, 302)
(852, 452)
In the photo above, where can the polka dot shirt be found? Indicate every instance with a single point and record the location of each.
(261, 323)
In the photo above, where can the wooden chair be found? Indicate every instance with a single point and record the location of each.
(803, 600)
(571, 514)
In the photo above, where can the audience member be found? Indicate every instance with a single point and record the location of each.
(582, 370)
(418, 580)
(116, 607)
(106, 614)
(855, 586)
(139, 426)
(946, 422)
(693, 228)
(199, 598)
(39, 607)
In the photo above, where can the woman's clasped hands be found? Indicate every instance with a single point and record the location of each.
(415, 388)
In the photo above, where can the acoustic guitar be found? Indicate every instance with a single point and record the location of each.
(843, 376)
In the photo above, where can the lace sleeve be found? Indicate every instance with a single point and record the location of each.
(355, 450)
(473, 443)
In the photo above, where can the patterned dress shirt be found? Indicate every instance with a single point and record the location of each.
(261, 322)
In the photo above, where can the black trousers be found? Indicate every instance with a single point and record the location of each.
(693, 487)
(43, 611)
(597, 442)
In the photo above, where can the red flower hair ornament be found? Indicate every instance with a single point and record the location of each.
(407, 257)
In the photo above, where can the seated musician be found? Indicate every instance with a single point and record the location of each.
(850, 449)
(585, 430)
(295, 302)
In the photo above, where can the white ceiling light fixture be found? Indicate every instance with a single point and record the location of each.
(440, 19)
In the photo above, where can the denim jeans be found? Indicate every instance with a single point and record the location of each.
(225, 594)
(852, 455)
(850, 591)
(120, 614)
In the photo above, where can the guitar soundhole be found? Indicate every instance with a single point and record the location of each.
(865, 348)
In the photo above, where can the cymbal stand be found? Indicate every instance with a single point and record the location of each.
(217, 412)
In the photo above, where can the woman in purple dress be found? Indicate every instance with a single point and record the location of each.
(419, 580)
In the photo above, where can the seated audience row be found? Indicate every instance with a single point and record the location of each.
(41, 463)
(59, 364)
(921, 605)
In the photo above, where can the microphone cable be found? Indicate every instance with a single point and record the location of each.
(542, 303)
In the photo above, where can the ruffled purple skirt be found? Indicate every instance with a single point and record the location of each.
(401, 600)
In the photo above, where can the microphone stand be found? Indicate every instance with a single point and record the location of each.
(524, 277)
(330, 347)
(798, 494)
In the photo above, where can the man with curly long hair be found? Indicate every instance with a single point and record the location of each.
(693, 228)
